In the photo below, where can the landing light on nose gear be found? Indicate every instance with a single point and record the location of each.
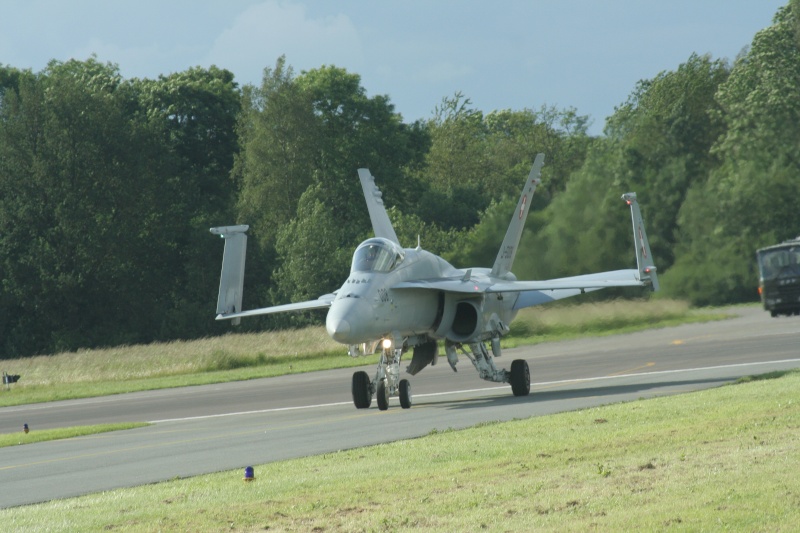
(387, 382)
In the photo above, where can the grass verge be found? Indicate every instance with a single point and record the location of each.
(16, 439)
(567, 321)
(720, 459)
(235, 357)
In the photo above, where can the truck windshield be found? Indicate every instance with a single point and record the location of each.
(779, 262)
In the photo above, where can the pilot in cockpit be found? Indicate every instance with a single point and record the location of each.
(376, 255)
(372, 253)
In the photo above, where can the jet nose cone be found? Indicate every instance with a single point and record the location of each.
(338, 329)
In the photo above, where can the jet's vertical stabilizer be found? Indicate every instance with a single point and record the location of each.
(508, 250)
(231, 281)
(644, 259)
(381, 224)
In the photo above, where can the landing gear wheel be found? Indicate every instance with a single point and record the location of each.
(405, 394)
(383, 395)
(362, 396)
(520, 377)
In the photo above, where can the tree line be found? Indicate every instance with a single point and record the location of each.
(108, 186)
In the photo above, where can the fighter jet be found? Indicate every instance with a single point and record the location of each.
(397, 299)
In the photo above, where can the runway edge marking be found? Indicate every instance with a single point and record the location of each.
(466, 391)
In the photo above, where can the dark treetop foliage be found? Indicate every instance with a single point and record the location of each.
(105, 186)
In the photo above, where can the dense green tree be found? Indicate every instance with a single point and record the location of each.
(20, 133)
(73, 190)
(750, 200)
(584, 229)
(277, 132)
(106, 187)
(453, 182)
(315, 250)
(664, 135)
(411, 229)
(359, 131)
(479, 245)
(458, 152)
(514, 137)
(476, 159)
(308, 134)
(192, 115)
(657, 144)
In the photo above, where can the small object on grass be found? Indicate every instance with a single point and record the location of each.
(249, 474)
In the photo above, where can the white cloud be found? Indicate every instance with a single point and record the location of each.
(265, 31)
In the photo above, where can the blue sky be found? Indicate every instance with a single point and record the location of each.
(505, 54)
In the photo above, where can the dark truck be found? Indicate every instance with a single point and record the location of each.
(779, 277)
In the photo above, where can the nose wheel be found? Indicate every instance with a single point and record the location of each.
(383, 395)
(387, 384)
(403, 392)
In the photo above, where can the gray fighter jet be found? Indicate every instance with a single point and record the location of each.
(396, 299)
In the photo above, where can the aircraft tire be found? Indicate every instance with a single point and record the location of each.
(520, 377)
(362, 397)
(383, 395)
(405, 394)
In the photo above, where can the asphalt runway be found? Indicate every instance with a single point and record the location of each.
(229, 426)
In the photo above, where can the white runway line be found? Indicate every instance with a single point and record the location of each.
(484, 389)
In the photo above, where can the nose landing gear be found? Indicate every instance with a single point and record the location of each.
(387, 383)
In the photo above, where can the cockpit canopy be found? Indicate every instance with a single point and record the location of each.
(377, 255)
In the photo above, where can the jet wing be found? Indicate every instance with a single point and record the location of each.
(322, 302)
(446, 284)
(601, 280)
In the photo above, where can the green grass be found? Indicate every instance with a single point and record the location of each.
(36, 435)
(559, 322)
(232, 357)
(714, 460)
(235, 357)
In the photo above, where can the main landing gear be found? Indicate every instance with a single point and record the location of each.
(519, 377)
(387, 383)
